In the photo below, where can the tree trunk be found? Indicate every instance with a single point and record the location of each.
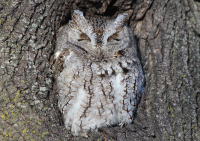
(168, 37)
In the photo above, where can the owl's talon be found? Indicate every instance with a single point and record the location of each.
(121, 124)
(108, 124)
(84, 134)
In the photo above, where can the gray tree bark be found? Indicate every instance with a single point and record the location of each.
(168, 37)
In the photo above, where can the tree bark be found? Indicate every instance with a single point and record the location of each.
(168, 37)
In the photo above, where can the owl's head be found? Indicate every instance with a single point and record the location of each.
(100, 37)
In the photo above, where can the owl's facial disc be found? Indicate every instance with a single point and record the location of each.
(99, 40)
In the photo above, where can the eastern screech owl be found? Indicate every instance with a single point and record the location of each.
(100, 78)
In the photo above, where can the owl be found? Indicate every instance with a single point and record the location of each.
(99, 75)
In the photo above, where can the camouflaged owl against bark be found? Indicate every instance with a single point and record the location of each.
(100, 77)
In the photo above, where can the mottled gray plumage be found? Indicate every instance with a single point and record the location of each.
(99, 79)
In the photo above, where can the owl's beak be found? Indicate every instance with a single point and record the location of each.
(99, 52)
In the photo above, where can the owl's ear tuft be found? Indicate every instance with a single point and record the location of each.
(77, 14)
(78, 17)
(121, 20)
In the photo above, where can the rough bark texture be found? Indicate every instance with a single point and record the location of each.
(168, 36)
